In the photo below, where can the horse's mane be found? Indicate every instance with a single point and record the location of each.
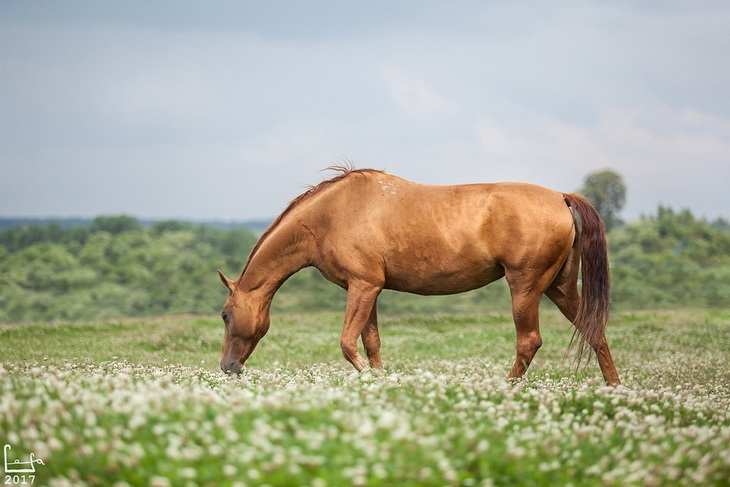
(343, 171)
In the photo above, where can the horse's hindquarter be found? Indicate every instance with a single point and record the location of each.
(529, 227)
(429, 239)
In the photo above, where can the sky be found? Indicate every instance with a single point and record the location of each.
(226, 110)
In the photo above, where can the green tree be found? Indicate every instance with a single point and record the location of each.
(671, 259)
(607, 191)
(115, 224)
(721, 224)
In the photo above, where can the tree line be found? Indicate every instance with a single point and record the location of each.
(118, 267)
(115, 267)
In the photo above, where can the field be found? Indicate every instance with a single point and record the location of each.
(142, 402)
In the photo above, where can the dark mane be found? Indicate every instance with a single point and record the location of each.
(343, 171)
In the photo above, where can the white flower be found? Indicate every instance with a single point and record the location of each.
(157, 481)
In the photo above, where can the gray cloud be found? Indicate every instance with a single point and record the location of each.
(219, 110)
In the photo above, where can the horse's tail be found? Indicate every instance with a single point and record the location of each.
(592, 317)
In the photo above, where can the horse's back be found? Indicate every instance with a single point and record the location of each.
(503, 212)
(432, 239)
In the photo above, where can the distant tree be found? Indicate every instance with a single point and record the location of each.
(670, 259)
(171, 226)
(115, 224)
(20, 237)
(721, 224)
(607, 191)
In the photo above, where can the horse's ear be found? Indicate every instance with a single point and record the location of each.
(226, 282)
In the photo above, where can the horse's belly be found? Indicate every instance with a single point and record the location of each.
(439, 281)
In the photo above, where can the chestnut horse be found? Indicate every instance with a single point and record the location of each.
(366, 230)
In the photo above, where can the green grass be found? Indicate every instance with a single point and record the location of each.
(142, 402)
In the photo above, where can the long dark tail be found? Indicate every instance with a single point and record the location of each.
(592, 317)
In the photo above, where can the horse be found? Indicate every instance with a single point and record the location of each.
(366, 230)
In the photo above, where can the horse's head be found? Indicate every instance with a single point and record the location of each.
(245, 326)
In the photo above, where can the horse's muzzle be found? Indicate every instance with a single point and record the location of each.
(231, 367)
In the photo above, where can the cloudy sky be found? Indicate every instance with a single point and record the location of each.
(224, 110)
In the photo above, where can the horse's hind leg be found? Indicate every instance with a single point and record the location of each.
(564, 293)
(527, 289)
(605, 361)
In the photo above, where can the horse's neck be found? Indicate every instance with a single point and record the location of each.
(284, 251)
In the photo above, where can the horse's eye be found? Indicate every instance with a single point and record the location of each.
(225, 315)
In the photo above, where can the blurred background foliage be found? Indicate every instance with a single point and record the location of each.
(116, 266)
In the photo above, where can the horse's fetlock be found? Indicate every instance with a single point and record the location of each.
(529, 345)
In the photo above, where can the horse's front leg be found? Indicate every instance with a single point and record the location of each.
(371, 339)
(361, 299)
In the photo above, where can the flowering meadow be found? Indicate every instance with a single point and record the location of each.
(142, 403)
